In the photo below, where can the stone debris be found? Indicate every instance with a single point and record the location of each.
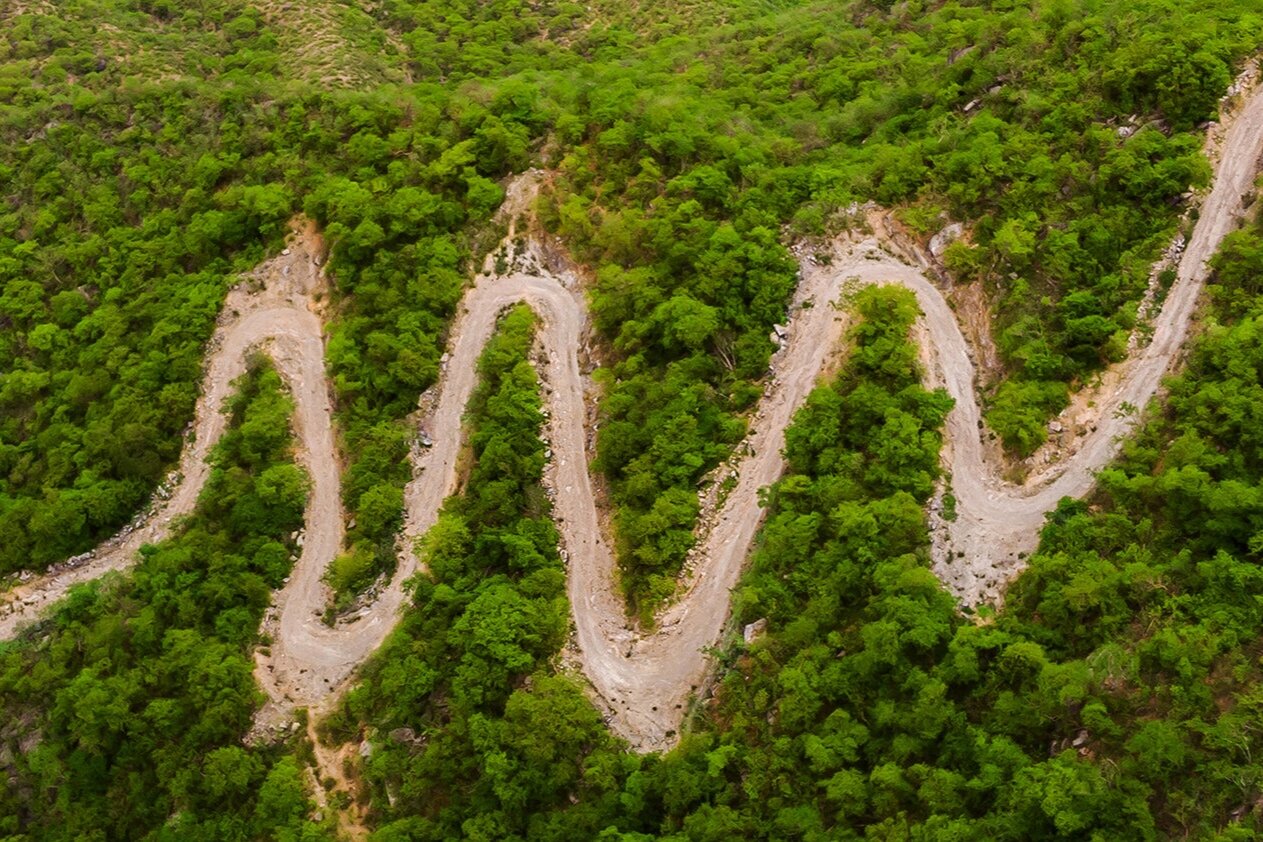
(944, 238)
(752, 631)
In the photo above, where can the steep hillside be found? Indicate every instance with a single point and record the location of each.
(696, 164)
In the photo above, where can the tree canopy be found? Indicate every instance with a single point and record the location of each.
(151, 151)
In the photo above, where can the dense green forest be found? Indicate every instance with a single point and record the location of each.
(151, 151)
(124, 712)
(1004, 117)
(136, 189)
(1115, 697)
(468, 726)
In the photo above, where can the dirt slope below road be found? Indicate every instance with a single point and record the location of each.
(644, 681)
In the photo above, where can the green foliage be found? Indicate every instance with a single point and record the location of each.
(124, 714)
(1108, 698)
(1112, 698)
(1019, 410)
(397, 224)
(683, 136)
(149, 152)
(687, 160)
(105, 321)
(129, 218)
(470, 732)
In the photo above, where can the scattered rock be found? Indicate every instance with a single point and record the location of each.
(950, 234)
(752, 631)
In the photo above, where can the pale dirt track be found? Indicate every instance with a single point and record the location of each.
(643, 680)
(273, 310)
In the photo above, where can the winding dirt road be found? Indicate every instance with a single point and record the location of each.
(273, 309)
(644, 681)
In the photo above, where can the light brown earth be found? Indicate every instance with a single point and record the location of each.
(643, 680)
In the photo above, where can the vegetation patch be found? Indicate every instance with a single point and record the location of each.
(124, 712)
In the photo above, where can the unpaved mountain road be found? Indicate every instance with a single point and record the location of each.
(999, 522)
(272, 310)
(644, 681)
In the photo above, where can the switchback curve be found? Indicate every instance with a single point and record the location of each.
(643, 680)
